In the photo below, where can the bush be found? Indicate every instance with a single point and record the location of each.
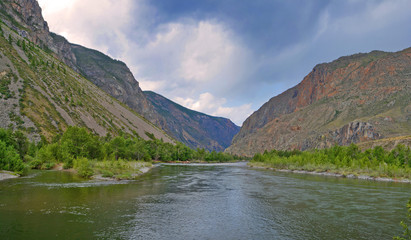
(83, 167)
(374, 162)
(10, 159)
(106, 173)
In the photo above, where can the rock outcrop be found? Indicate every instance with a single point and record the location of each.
(352, 99)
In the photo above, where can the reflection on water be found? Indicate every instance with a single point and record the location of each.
(201, 202)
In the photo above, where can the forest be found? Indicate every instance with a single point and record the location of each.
(78, 148)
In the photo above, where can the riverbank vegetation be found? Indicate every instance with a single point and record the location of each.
(406, 235)
(90, 154)
(345, 160)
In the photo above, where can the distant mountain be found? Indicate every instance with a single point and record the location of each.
(353, 99)
(112, 76)
(195, 129)
(41, 95)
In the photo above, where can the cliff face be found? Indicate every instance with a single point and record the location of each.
(352, 99)
(196, 130)
(116, 79)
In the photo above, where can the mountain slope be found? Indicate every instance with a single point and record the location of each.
(195, 129)
(41, 95)
(112, 76)
(352, 99)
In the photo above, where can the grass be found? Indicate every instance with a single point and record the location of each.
(119, 169)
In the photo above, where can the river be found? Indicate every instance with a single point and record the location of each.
(201, 202)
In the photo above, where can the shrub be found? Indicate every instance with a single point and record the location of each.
(106, 173)
(10, 159)
(83, 167)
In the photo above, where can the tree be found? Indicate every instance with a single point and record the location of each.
(10, 159)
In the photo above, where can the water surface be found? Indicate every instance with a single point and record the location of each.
(201, 202)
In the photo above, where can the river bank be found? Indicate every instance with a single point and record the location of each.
(104, 170)
(334, 173)
(7, 175)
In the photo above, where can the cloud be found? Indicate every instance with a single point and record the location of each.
(207, 53)
(220, 56)
(191, 53)
(215, 106)
(100, 24)
(180, 59)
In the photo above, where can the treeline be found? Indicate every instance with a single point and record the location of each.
(13, 145)
(17, 153)
(342, 159)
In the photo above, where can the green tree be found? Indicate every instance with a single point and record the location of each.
(10, 159)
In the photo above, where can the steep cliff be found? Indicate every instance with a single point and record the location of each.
(195, 129)
(352, 99)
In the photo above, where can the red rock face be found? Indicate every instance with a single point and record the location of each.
(332, 97)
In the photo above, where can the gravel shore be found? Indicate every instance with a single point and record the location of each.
(7, 175)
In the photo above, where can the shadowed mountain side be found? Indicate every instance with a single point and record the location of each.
(195, 129)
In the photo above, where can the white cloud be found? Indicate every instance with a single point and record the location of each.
(215, 106)
(98, 24)
(207, 53)
(190, 52)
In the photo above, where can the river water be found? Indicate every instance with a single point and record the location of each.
(201, 202)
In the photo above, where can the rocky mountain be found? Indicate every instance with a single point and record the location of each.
(353, 99)
(41, 95)
(195, 129)
(112, 76)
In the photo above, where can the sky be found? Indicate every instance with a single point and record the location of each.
(228, 57)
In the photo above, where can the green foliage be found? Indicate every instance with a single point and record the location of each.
(4, 87)
(376, 161)
(14, 145)
(10, 159)
(405, 224)
(150, 135)
(86, 152)
(83, 167)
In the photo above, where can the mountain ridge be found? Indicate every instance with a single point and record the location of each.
(200, 131)
(112, 76)
(41, 96)
(368, 90)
